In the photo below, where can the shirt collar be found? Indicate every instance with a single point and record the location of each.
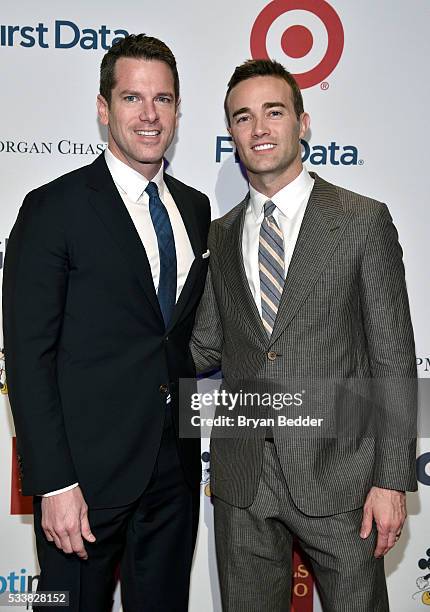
(287, 200)
(129, 181)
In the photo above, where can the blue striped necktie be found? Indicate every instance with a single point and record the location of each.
(271, 266)
(166, 247)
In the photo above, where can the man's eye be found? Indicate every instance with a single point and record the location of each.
(130, 98)
(164, 99)
(242, 119)
(275, 113)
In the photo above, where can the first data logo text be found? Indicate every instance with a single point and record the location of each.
(61, 35)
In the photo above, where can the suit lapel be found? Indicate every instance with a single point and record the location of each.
(322, 227)
(110, 208)
(188, 212)
(232, 266)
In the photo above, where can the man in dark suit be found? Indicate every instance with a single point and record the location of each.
(305, 294)
(103, 274)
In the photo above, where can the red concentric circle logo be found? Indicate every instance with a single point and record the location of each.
(297, 40)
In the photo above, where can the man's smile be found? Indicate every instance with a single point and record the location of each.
(267, 146)
(148, 132)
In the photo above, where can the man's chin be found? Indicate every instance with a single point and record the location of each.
(262, 168)
(150, 162)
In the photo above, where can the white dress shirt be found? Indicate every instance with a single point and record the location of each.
(131, 186)
(290, 202)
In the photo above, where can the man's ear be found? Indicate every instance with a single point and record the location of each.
(102, 110)
(305, 122)
(232, 137)
(177, 112)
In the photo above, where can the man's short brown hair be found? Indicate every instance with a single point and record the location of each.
(139, 46)
(262, 67)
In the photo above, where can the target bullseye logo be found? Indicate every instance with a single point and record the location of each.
(297, 40)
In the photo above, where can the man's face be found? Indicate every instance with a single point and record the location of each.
(142, 114)
(265, 129)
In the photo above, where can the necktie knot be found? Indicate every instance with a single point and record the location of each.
(269, 207)
(152, 190)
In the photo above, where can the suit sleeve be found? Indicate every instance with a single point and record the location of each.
(391, 353)
(35, 281)
(207, 337)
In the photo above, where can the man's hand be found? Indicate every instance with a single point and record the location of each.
(65, 521)
(388, 509)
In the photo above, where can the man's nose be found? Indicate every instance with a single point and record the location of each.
(148, 112)
(260, 127)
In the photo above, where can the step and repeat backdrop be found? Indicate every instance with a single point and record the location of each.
(363, 69)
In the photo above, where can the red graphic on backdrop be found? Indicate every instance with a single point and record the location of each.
(302, 599)
(297, 40)
(19, 504)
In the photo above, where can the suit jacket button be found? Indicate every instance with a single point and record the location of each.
(163, 388)
(271, 355)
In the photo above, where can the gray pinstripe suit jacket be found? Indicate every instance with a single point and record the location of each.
(344, 314)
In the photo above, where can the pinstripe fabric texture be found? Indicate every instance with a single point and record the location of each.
(254, 552)
(344, 315)
(271, 266)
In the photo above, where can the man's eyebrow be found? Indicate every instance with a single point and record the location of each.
(132, 92)
(266, 105)
(240, 111)
(167, 94)
(272, 104)
(128, 92)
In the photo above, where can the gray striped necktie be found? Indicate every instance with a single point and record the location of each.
(271, 265)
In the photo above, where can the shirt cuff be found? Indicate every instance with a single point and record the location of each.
(69, 488)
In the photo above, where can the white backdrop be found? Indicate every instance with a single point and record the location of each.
(372, 106)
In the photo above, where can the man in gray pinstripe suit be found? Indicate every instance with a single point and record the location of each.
(306, 282)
